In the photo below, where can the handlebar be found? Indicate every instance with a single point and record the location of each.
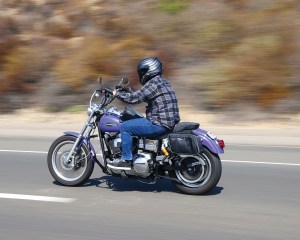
(108, 92)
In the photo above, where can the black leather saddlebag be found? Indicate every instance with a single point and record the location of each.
(181, 143)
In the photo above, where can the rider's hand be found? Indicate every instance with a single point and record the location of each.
(114, 92)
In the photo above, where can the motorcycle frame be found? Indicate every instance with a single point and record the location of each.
(96, 112)
(207, 142)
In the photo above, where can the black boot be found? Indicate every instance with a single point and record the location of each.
(120, 164)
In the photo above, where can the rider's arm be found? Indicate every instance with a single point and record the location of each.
(145, 93)
(130, 97)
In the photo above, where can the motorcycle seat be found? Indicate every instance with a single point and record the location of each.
(185, 126)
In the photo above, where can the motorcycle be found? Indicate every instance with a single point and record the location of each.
(188, 155)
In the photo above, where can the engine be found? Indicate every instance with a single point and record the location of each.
(142, 165)
(114, 143)
(142, 161)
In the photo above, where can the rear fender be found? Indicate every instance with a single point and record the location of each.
(86, 142)
(207, 141)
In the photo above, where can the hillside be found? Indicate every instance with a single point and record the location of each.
(229, 55)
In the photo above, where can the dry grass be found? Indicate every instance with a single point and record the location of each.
(22, 70)
(253, 64)
(244, 48)
(98, 56)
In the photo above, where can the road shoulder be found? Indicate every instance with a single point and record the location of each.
(36, 124)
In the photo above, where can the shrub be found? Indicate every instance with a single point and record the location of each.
(21, 70)
(172, 6)
(59, 27)
(97, 56)
(218, 36)
(255, 70)
(253, 51)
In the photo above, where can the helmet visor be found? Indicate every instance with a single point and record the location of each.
(143, 71)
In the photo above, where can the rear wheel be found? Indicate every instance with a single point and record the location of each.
(198, 174)
(69, 172)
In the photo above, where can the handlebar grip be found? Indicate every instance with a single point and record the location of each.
(125, 89)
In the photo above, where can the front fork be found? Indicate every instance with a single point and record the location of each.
(78, 141)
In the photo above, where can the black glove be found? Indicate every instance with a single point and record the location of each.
(123, 89)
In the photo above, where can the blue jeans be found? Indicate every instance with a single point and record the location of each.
(140, 127)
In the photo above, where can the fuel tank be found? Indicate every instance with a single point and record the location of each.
(110, 121)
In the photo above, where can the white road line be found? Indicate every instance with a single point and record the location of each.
(23, 151)
(231, 161)
(267, 163)
(36, 198)
(261, 146)
(35, 152)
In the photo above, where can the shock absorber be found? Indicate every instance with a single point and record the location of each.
(164, 148)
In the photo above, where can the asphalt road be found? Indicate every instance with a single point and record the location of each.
(255, 199)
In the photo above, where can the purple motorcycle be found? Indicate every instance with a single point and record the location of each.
(188, 156)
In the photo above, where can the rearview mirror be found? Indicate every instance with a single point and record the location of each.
(100, 80)
(125, 81)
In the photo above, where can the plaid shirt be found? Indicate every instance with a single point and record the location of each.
(162, 106)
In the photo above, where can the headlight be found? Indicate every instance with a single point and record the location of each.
(89, 111)
(91, 108)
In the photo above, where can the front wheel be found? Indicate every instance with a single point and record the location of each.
(71, 172)
(197, 174)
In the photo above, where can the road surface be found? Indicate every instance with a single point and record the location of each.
(258, 197)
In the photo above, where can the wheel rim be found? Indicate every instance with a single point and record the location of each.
(64, 169)
(195, 170)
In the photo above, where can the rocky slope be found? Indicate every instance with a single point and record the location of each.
(228, 54)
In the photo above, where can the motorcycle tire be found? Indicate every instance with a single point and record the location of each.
(67, 172)
(198, 173)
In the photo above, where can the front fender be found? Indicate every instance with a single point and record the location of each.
(86, 142)
(211, 144)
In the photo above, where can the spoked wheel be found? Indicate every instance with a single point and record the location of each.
(74, 171)
(197, 174)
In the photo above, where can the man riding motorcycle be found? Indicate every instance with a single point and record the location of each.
(162, 112)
